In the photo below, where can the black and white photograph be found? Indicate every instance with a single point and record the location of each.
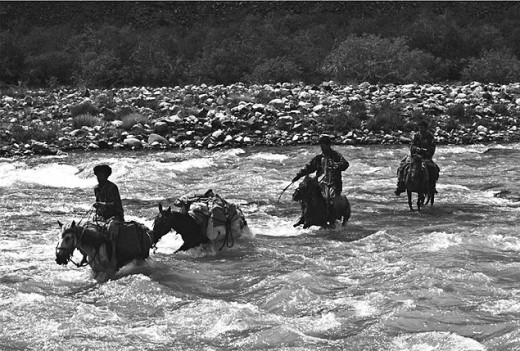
(260, 175)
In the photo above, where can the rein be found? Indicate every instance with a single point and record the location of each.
(229, 235)
(283, 191)
(83, 262)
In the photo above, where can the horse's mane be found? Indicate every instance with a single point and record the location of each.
(314, 186)
(91, 233)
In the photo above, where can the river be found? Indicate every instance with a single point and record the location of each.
(447, 278)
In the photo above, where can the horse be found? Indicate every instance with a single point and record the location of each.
(417, 180)
(193, 232)
(315, 209)
(104, 256)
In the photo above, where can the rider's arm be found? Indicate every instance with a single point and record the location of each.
(430, 149)
(415, 146)
(309, 168)
(342, 164)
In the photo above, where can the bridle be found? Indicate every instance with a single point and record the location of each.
(163, 217)
(83, 262)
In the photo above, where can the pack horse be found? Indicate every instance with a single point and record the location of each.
(201, 219)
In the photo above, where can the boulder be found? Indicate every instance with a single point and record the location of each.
(133, 143)
(156, 138)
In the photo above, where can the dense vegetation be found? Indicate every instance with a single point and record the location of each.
(115, 44)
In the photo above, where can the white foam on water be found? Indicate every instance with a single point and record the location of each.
(438, 241)
(504, 242)
(30, 298)
(195, 163)
(276, 226)
(435, 341)
(501, 307)
(465, 149)
(51, 175)
(269, 157)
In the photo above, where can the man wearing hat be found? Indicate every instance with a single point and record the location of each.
(328, 164)
(108, 202)
(423, 145)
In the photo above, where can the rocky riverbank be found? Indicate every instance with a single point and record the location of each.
(200, 116)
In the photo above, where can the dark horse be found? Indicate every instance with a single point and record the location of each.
(192, 232)
(417, 180)
(315, 211)
(91, 239)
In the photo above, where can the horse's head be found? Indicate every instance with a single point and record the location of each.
(162, 223)
(67, 243)
(306, 189)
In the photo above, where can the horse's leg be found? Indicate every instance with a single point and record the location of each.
(409, 193)
(420, 201)
(343, 209)
(432, 198)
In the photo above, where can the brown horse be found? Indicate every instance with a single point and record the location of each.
(98, 252)
(417, 180)
(314, 204)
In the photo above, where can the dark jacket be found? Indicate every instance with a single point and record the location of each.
(320, 165)
(423, 145)
(109, 193)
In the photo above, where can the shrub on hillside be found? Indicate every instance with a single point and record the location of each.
(57, 64)
(456, 111)
(263, 96)
(500, 109)
(84, 108)
(340, 120)
(123, 112)
(132, 119)
(276, 70)
(23, 134)
(378, 60)
(86, 120)
(387, 117)
(358, 109)
(459, 114)
(12, 59)
(494, 66)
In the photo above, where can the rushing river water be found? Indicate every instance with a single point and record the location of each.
(444, 279)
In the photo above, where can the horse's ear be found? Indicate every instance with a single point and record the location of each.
(73, 224)
(60, 224)
(160, 207)
(169, 210)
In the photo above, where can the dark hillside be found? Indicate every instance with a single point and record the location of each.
(150, 13)
(165, 43)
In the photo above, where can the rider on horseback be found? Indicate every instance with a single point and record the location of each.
(423, 146)
(108, 202)
(108, 205)
(328, 164)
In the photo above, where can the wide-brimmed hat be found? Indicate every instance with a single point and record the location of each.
(104, 169)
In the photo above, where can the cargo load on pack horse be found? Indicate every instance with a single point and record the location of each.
(206, 218)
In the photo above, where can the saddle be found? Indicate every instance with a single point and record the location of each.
(130, 238)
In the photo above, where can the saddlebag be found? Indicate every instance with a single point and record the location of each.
(217, 217)
(132, 241)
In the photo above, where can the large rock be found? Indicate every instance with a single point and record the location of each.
(157, 139)
(132, 142)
